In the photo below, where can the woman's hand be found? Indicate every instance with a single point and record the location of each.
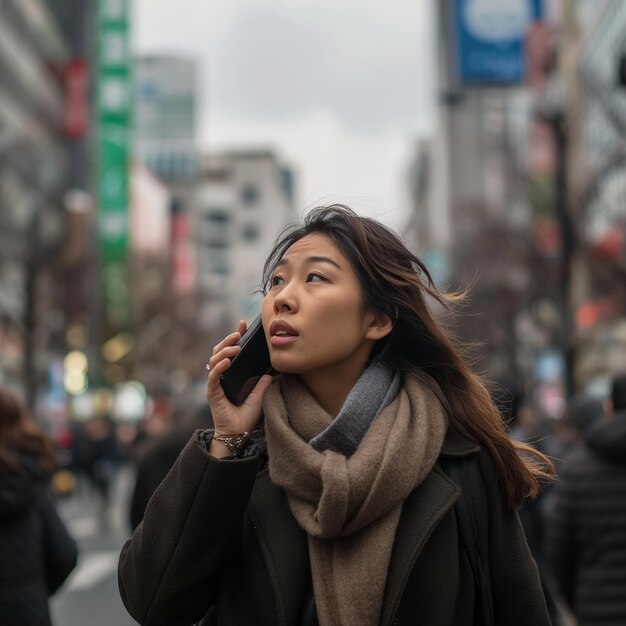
(228, 418)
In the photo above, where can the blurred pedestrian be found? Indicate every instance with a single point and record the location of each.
(339, 513)
(36, 552)
(102, 458)
(158, 457)
(586, 538)
(525, 426)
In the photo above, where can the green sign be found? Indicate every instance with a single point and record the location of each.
(113, 138)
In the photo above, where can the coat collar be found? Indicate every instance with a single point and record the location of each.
(457, 445)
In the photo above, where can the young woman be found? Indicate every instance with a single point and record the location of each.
(335, 510)
(36, 552)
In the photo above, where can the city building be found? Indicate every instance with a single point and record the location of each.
(34, 60)
(472, 217)
(520, 191)
(241, 201)
(166, 116)
(595, 74)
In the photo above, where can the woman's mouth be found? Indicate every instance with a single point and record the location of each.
(282, 334)
(282, 338)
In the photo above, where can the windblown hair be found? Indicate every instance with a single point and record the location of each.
(19, 434)
(397, 283)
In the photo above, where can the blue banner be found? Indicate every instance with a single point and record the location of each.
(489, 40)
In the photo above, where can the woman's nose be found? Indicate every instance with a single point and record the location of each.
(285, 301)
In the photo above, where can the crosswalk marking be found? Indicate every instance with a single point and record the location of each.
(92, 569)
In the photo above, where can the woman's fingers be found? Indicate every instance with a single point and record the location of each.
(242, 327)
(229, 340)
(227, 352)
(255, 397)
(227, 417)
(218, 367)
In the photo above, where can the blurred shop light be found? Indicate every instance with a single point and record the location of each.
(609, 247)
(551, 400)
(118, 347)
(75, 372)
(129, 402)
(549, 366)
(103, 401)
(78, 201)
(591, 313)
(91, 404)
(81, 406)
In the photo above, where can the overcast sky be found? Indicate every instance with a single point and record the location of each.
(341, 89)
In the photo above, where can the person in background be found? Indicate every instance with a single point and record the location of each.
(338, 512)
(157, 458)
(586, 529)
(37, 553)
(524, 426)
(103, 457)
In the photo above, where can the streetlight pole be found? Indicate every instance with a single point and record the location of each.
(568, 246)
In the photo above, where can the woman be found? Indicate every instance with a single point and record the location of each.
(36, 552)
(335, 511)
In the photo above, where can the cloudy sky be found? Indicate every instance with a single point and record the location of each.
(341, 89)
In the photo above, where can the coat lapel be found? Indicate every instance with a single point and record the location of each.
(421, 512)
(285, 548)
(283, 544)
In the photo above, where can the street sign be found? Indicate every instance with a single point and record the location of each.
(113, 137)
(489, 40)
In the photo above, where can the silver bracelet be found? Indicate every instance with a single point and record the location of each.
(235, 443)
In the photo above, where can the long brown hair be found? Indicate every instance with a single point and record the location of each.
(397, 283)
(20, 434)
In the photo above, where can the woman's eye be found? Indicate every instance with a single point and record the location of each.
(313, 278)
(277, 280)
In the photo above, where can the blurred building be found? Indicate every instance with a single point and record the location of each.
(34, 163)
(165, 150)
(240, 203)
(596, 112)
(224, 212)
(149, 265)
(165, 142)
(166, 116)
(520, 192)
(472, 222)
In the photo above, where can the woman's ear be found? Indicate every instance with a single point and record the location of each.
(379, 326)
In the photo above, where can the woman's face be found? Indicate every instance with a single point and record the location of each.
(312, 314)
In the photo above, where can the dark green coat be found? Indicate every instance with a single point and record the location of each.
(218, 538)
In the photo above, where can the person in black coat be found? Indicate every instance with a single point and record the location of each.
(156, 460)
(322, 498)
(586, 530)
(37, 553)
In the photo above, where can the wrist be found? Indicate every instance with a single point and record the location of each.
(228, 444)
(219, 450)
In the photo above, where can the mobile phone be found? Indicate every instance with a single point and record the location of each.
(248, 366)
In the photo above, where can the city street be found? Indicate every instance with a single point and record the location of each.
(90, 594)
(427, 214)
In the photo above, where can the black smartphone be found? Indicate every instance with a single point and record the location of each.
(248, 366)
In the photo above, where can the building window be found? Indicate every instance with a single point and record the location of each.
(219, 216)
(250, 233)
(250, 194)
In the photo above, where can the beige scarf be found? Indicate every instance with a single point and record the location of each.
(350, 507)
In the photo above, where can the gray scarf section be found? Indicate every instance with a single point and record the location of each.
(373, 392)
